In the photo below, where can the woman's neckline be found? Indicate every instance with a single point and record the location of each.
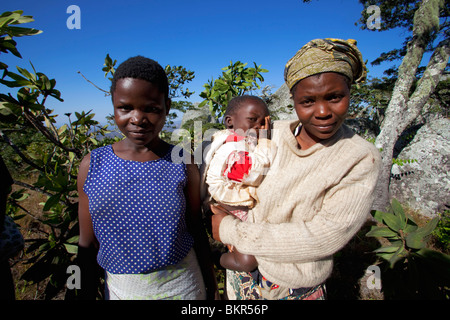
(294, 128)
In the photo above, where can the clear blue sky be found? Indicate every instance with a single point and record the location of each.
(203, 36)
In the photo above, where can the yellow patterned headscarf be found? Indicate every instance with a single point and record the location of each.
(326, 55)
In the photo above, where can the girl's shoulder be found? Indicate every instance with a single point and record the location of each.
(101, 150)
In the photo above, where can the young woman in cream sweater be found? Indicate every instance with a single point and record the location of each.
(319, 189)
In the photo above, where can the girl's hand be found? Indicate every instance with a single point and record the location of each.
(216, 218)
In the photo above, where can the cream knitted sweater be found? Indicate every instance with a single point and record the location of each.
(312, 202)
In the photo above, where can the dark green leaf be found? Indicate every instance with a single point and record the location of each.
(388, 249)
(415, 240)
(26, 73)
(398, 211)
(53, 200)
(392, 221)
(38, 272)
(399, 254)
(377, 215)
(381, 232)
(411, 226)
(71, 248)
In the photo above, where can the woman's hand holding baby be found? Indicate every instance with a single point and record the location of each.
(219, 214)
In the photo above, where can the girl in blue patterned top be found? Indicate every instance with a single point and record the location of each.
(139, 208)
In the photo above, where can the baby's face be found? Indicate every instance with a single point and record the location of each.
(249, 119)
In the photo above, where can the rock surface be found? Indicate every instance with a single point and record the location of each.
(281, 104)
(199, 113)
(424, 184)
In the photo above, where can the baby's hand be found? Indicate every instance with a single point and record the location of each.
(264, 132)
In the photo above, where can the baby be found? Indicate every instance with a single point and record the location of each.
(236, 163)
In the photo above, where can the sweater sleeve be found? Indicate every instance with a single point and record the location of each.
(344, 209)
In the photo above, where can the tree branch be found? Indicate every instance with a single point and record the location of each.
(31, 187)
(423, 27)
(430, 79)
(38, 125)
(398, 116)
(19, 153)
(26, 211)
(107, 93)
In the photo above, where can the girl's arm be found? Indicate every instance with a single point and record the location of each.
(87, 237)
(196, 228)
(87, 243)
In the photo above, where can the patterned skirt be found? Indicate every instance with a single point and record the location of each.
(182, 281)
(247, 286)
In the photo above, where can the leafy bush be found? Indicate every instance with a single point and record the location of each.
(442, 231)
(412, 270)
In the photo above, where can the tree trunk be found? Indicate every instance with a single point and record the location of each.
(403, 108)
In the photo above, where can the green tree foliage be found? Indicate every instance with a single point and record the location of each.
(51, 154)
(178, 77)
(8, 31)
(55, 164)
(236, 79)
(442, 231)
(400, 14)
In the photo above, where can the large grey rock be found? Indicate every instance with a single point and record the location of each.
(201, 114)
(424, 184)
(281, 104)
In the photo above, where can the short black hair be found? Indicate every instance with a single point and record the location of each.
(237, 102)
(140, 67)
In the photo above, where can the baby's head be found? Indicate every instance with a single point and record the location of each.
(245, 113)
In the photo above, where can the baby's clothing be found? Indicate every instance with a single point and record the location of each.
(233, 167)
